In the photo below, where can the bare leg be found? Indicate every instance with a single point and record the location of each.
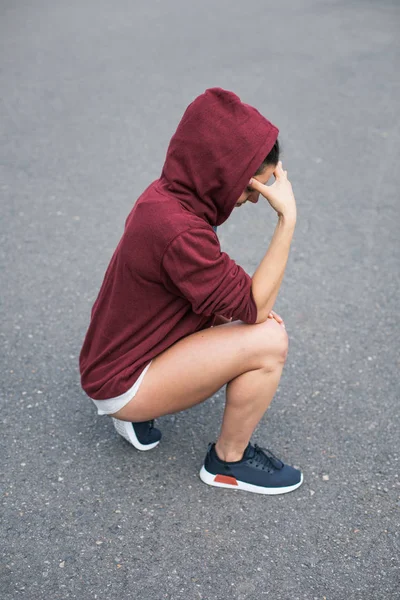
(249, 357)
(247, 398)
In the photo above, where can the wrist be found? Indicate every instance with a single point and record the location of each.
(287, 220)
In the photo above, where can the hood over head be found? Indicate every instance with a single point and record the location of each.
(219, 144)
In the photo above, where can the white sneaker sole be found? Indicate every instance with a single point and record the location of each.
(211, 479)
(125, 429)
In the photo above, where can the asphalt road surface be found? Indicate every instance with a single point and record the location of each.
(91, 92)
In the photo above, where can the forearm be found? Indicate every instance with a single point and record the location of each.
(268, 276)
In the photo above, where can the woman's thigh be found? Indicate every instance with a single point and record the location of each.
(197, 366)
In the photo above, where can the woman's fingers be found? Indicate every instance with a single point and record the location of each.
(257, 185)
(264, 190)
(279, 172)
(276, 316)
(278, 319)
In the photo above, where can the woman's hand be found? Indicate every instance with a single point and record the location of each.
(278, 319)
(279, 194)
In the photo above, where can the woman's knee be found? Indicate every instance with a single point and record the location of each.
(272, 341)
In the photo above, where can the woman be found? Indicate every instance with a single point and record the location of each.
(176, 318)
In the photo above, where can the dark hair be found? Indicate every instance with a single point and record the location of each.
(272, 158)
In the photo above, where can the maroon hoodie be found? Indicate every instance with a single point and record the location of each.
(168, 277)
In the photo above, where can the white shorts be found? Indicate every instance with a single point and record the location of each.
(112, 405)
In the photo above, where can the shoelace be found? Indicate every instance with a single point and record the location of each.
(151, 424)
(266, 458)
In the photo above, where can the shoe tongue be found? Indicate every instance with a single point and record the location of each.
(273, 461)
(249, 452)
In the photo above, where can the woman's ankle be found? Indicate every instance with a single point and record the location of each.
(228, 452)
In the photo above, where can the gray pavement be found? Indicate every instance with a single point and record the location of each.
(90, 94)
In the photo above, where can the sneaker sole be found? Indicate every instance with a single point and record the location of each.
(125, 429)
(234, 484)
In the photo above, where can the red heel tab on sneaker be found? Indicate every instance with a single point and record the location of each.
(225, 479)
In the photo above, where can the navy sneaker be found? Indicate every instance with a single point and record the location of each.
(144, 436)
(258, 471)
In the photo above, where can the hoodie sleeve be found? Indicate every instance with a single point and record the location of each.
(194, 267)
